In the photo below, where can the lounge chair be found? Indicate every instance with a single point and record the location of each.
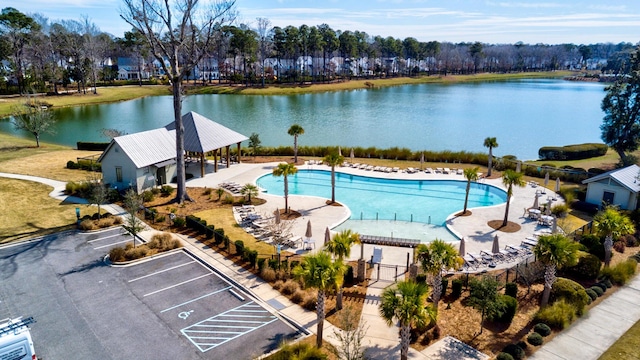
(429, 171)
(446, 171)
(396, 169)
(460, 172)
(439, 170)
(410, 170)
(470, 262)
(377, 255)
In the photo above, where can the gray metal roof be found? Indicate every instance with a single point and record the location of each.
(148, 147)
(202, 134)
(627, 177)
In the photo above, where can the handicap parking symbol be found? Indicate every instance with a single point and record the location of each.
(185, 314)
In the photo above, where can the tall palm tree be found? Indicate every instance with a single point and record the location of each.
(554, 251)
(319, 272)
(332, 160)
(295, 130)
(405, 303)
(436, 258)
(471, 174)
(510, 178)
(611, 224)
(340, 247)
(285, 169)
(490, 143)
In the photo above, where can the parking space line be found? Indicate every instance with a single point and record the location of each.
(196, 299)
(178, 284)
(161, 271)
(115, 243)
(106, 237)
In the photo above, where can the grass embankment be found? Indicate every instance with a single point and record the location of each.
(626, 348)
(104, 95)
(362, 84)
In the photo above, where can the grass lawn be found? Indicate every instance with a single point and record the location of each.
(626, 348)
(26, 210)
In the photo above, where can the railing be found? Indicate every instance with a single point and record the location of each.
(389, 241)
(393, 217)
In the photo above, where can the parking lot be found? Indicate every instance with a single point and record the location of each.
(172, 306)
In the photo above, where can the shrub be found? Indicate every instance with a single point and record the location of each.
(273, 263)
(71, 165)
(594, 245)
(559, 315)
(290, 287)
(239, 246)
(299, 351)
(619, 246)
(511, 289)
(88, 225)
(635, 257)
(253, 258)
(116, 254)
(456, 288)
(542, 329)
(602, 286)
(629, 240)
(298, 296)
(310, 301)
(207, 191)
(348, 275)
(445, 285)
(560, 210)
(166, 190)
(163, 242)
(607, 283)
(572, 292)
(268, 274)
(136, 253)
(278, 285)
(535, 339)
(261, 264)
(227, 199)
(148, 196)
(504, 356)
(515, 351)
(621, 272)
(588, 266)
(509, 310)
(597, 289)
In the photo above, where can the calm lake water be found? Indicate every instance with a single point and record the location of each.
(523, 115)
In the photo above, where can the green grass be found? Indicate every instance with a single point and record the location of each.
(626, 348)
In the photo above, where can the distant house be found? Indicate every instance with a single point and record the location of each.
(618, 187)
(148, 158)
(132, 69)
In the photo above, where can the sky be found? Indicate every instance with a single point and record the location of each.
(487, 21)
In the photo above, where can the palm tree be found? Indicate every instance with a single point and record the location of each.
(249, 190)
(471, 174)
(554, 251)
(491, 143)
(285, 169)
(436, 258)
(340, 247)
(510, 178)
(319, 272)
(294, 131)
(405, 303)
(333, 160)
(611, 224)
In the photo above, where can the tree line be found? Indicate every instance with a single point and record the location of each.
(40, 55)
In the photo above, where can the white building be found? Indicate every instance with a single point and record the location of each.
(618, 187)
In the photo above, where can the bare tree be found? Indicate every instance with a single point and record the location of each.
(264, 44)
(351, 337)
(178, 32)
(34, 118)
(132, 224)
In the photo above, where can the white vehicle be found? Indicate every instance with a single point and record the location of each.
(15, 340)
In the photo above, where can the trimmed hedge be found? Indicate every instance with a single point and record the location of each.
(588, 267)
(572, 292)
(511, 289)
(92, 146)
(597, 289)
(535, 339)
(504, 356)
(509, 310)
(542, 329)
(572, 152)
(515, 351)
(456, 288)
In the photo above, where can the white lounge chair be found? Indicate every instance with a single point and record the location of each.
(377, 255)
(429, 171)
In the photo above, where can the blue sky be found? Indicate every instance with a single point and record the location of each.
(488, 21)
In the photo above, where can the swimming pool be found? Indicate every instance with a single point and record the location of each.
(368, 198)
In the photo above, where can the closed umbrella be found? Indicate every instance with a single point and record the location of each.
(547, 211)
(277, 218)
(421, 160)
(352, 155)
(327, 236)
(557, 185)
(307, 234)
(518, 166)
(535, 202)
(554, 227)
(496, 245)
(339, 151)
(462, 249)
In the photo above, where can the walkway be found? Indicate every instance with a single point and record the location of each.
(590, 336)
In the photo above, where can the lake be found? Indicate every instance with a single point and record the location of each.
(523, 115)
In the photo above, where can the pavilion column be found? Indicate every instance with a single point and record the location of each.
(215, 160)
(202, 164)
(239, 153)
(228, 156)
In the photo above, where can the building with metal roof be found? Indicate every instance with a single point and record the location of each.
(618, 187)
(148, 158)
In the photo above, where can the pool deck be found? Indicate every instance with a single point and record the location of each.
(478, 235)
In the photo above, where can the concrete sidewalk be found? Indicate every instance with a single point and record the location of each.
(590, 336)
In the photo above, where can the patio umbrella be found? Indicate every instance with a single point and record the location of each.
(277, 218)
(327, 236)
(518, 166)
(546, 179)
(496, 245)
(352, 155)
(554, 227)
(547, 211)
(307, 234)
(339, 151)
(462, 249)
(421, 160)
(557, 185)
(535, 202)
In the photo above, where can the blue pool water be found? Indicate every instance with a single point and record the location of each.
(368, 198)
